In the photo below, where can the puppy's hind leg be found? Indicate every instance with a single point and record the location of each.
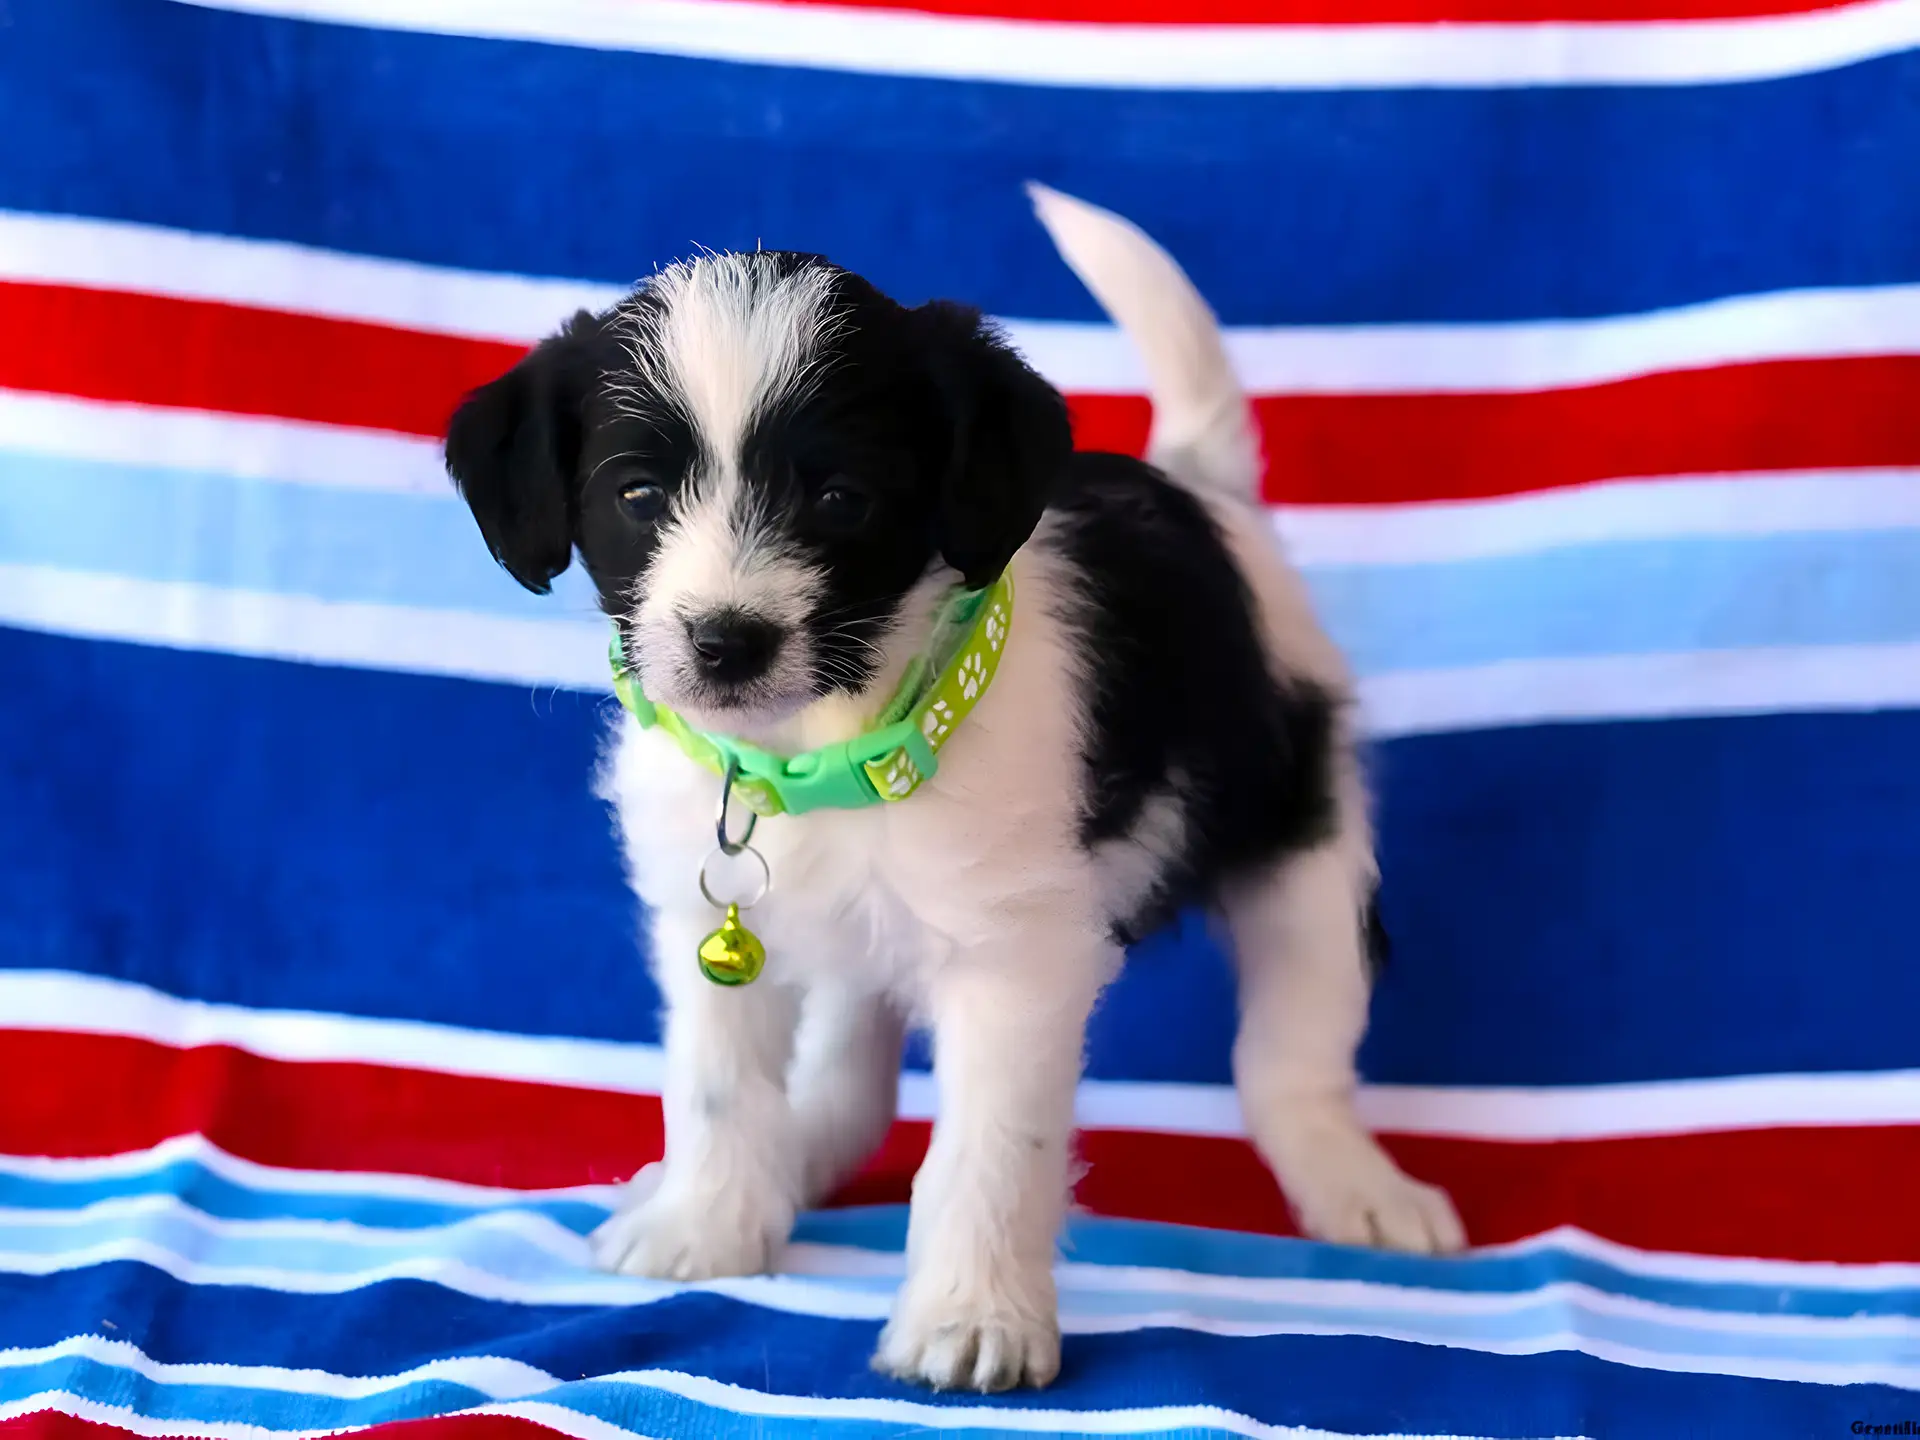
(1298, 934)
(845, 1083)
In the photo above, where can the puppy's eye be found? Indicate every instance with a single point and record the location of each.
(841, 509)
(644, 501)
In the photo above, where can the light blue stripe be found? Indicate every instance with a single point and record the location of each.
(154, 523)
(1630, 597)
(271, 1409)
(1089, 1240)
(214, 1195)
(499, 1252)
(1098, 1240)
(1627, 598)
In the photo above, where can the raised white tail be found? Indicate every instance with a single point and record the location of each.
(1203, 432)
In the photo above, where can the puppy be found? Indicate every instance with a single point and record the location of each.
(778, 479)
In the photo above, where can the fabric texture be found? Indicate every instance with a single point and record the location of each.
(1585, 339)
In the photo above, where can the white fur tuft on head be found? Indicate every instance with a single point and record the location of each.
(723, 337)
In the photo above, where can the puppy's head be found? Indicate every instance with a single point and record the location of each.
(758, 457)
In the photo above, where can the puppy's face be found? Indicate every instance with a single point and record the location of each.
(758, 457)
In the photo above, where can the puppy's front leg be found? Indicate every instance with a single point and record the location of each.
(722, 1201)
(978, 1309)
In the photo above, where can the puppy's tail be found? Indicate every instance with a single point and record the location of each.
(1203, 431)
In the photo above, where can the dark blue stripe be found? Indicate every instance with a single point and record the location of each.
(1643, 900)
(1345, 1384)
(300, 836)
(1570, 904)
(1288, 207)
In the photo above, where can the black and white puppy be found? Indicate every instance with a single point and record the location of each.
(774, 475)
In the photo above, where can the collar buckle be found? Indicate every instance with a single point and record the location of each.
(883, 765)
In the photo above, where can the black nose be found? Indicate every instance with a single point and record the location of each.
(733, 647)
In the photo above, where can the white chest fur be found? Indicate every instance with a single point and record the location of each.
(877, 898)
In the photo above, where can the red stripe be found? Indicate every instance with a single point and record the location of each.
(1334, 449)
(1383, 449)
(1338, 12)
(464, 1427)
(202, 355)
(53, 1425)
(115, 1094)
(1779, 1193)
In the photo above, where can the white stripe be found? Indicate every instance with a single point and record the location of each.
(196, 1149)
(1811, 1275)
(62, 1001)
(246, 447)
(1693, 506)
(57, 1000)
(1520, 355)
(1200, 57)
(142, 1213)
(1641, 687)
(584, 1286)
(570, 654)
(450, 1273)
(492, 1376)
(1345, 1300)
(1715, 1269)
(115, 255)
(1078, 358)
(1409, 1302)
(1665, 1107)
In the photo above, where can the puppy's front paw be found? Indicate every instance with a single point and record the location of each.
(1346, 1190)
(961, 1345)
(668, 1231)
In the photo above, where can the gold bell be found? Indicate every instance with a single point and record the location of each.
(733, 954)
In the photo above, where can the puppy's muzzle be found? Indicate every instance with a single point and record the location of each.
(732, 647)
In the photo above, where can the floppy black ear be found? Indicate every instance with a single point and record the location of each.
(1010, 441)
(513, 448)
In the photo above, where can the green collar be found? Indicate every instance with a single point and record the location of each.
(886, 763)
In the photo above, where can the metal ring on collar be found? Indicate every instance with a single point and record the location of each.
(727, 846)
(766, 879)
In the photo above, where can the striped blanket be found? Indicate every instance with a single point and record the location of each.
(1586, 342)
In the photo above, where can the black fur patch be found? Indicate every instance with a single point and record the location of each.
(926, 413)
(1183, 701)
(1379, 944)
